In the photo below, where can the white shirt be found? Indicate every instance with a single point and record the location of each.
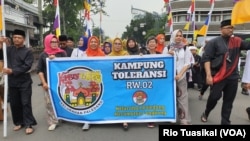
(78, 53)
(183, 58)
(246, 73)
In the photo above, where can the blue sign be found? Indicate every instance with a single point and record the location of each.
(113, 89)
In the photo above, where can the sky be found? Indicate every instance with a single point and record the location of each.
(119, 12)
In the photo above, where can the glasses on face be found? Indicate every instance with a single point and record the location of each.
(53, 42)
(229, 27)
(117, 44)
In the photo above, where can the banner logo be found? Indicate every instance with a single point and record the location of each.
(80, 89)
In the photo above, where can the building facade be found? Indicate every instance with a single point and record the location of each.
(21, 15)
(222, 10)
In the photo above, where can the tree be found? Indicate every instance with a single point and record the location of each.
(143, 26)
(70, 15)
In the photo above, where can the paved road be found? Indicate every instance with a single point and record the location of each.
(113, 132)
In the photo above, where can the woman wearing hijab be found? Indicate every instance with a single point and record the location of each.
(160, 43)
(132, 47)
(107, 48)
(117, 49)
(82, 46)
(184, 60)
(51, 50)
(93, 50)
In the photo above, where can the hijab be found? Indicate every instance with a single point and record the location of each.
(47, 45)
(134, 50)
(109, 46)
(94, 52)
(172, 40)
(85, 43)
(118, 53)
(160, 46)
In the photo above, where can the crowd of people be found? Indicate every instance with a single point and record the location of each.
(212, 66)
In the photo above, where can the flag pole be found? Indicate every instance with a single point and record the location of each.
(189, 17)
(193, 19)
(5, 76)
(57, 24)
(209, 19)
(59, 21)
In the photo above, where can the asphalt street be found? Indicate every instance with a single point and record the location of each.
(67, 131)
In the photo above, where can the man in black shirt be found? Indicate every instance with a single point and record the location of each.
(224, 51)
(63, 45)
(19, 63)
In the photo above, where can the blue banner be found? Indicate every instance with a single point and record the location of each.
(113, 89)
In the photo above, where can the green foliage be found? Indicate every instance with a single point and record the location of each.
(71, 16)
(153, 25)
(247, 39)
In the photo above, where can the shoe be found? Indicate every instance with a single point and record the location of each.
(85, 127)
(125, 126)
(29, 130)
(245, 92)
(204, 117)
(200, 97)
(52, 127)
(248, 112)
(151, 125)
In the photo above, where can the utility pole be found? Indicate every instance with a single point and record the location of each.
(40, 18)
(101, 30)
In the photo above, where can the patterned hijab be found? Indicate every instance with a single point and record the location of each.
(118, 53)
(172, 40)
(85, 43)
(47, 46)
(95, 52)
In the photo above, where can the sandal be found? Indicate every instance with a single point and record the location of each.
(29, 130)
(18, 127)
(203, 117)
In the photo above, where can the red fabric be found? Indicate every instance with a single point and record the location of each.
(234, 42)
(55, 2)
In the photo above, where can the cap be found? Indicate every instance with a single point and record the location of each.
(19, 32)
(63, 38)
(225, 23)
